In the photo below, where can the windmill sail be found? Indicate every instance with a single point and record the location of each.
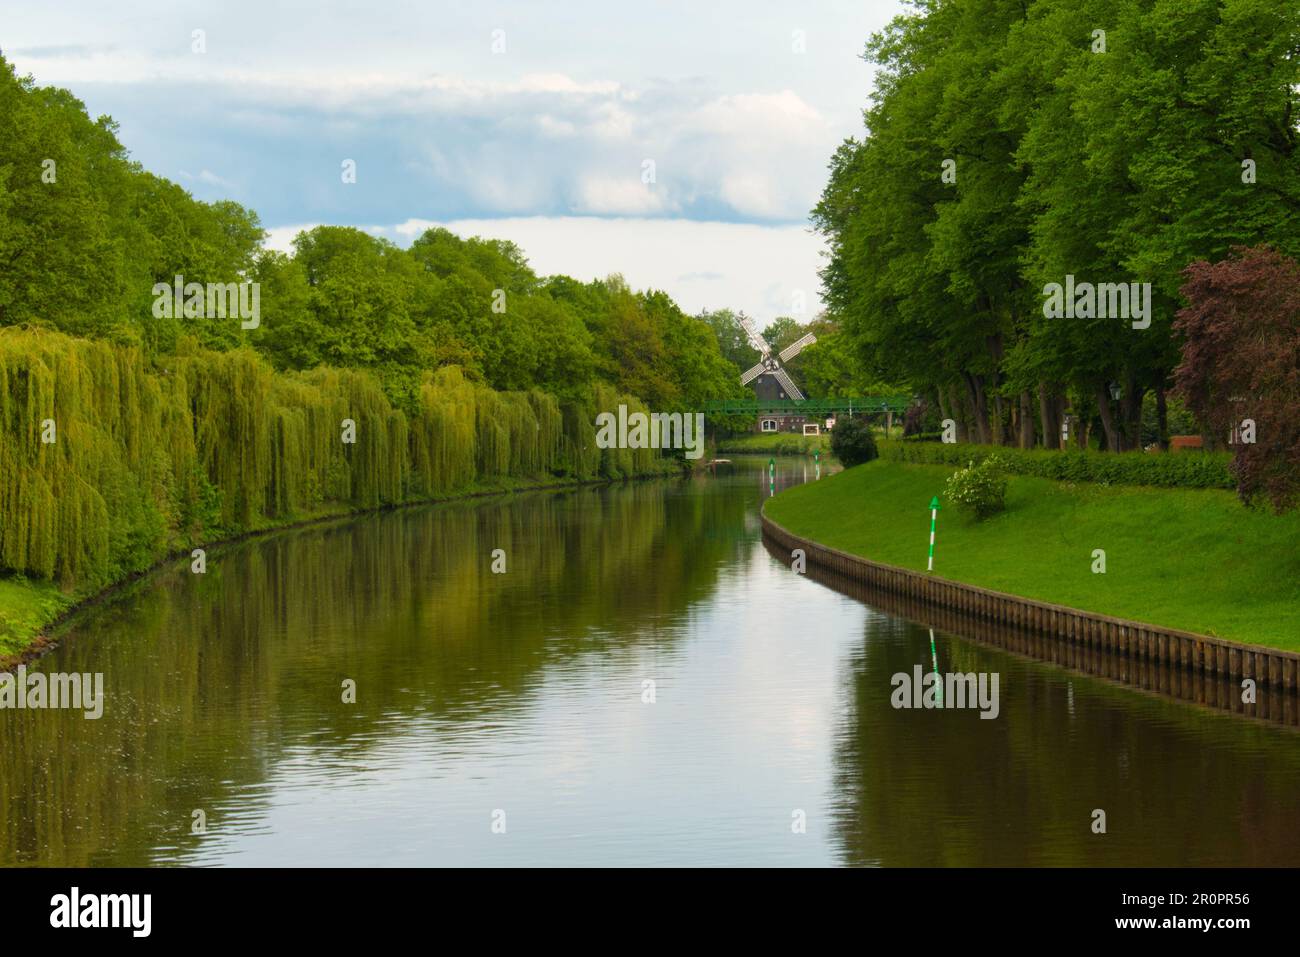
(755, 340)
(796, 347)
(791, 390)
(770, 364)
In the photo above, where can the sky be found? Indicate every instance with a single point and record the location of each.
(681, 144)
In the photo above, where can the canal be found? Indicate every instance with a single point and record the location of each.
(643, 684)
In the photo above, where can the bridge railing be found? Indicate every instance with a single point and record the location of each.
(859, 405)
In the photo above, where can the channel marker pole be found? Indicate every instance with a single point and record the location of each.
(934, 518)
(934, 660)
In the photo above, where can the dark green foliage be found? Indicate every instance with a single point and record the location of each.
(1005, 150)
(853, 442)
(1177, 470)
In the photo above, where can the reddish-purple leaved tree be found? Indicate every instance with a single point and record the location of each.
(1241, 361)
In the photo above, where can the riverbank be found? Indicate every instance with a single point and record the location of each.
(31, 610)
(1187, 559)
(776, 443)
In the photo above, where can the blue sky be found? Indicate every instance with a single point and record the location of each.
(528, 121)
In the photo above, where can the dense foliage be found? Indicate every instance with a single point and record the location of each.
(147, 457)
(1013, 143)
(127, 430)
(1178, 470)
(85, 234)
(1241, 366)
(853, 441)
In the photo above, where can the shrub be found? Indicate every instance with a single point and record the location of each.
(980, 488)
(1185, 470)
(853, 442)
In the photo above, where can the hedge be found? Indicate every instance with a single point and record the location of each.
(1176, 470)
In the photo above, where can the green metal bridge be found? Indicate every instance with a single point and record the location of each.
(812, 407)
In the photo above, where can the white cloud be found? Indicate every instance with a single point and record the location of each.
(280, 238)
(702, 265)
(546, 135)
(551, 126)
(751, 194)
(622, 196)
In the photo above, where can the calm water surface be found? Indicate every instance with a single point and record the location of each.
(522, 696)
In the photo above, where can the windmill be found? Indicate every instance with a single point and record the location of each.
(769, 364)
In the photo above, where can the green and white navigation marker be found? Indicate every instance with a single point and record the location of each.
(817, 461)
(934, 517)
(771, 477)
(934, 660)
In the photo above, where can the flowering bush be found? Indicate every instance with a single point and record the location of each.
(979, 487)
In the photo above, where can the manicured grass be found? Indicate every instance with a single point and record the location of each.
(1193, 559)
(776, 443)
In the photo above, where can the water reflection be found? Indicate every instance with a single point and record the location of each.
(645, 684)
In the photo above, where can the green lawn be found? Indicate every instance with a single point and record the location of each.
(776, 443)
(1190, 559)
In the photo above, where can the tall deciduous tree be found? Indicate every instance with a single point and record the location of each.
(1241, 366)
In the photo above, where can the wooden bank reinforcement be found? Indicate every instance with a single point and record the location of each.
(1135, 640)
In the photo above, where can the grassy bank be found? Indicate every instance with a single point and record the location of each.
(28, 607)
(776, 443)
(1193, 559)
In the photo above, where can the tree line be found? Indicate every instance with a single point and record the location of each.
(1015, 144)
(374, 375)
(86, 234)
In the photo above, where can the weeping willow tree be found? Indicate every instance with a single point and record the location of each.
(622, 462)
(83, 486)
(444, 434)
(108, 461)
(544, 454)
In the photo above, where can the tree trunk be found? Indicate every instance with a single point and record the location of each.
(1162, 419)
(958, 412)
(1051, 429)
(1026, 422)
(1131, 405)
(979, 401)
(1107, 418)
